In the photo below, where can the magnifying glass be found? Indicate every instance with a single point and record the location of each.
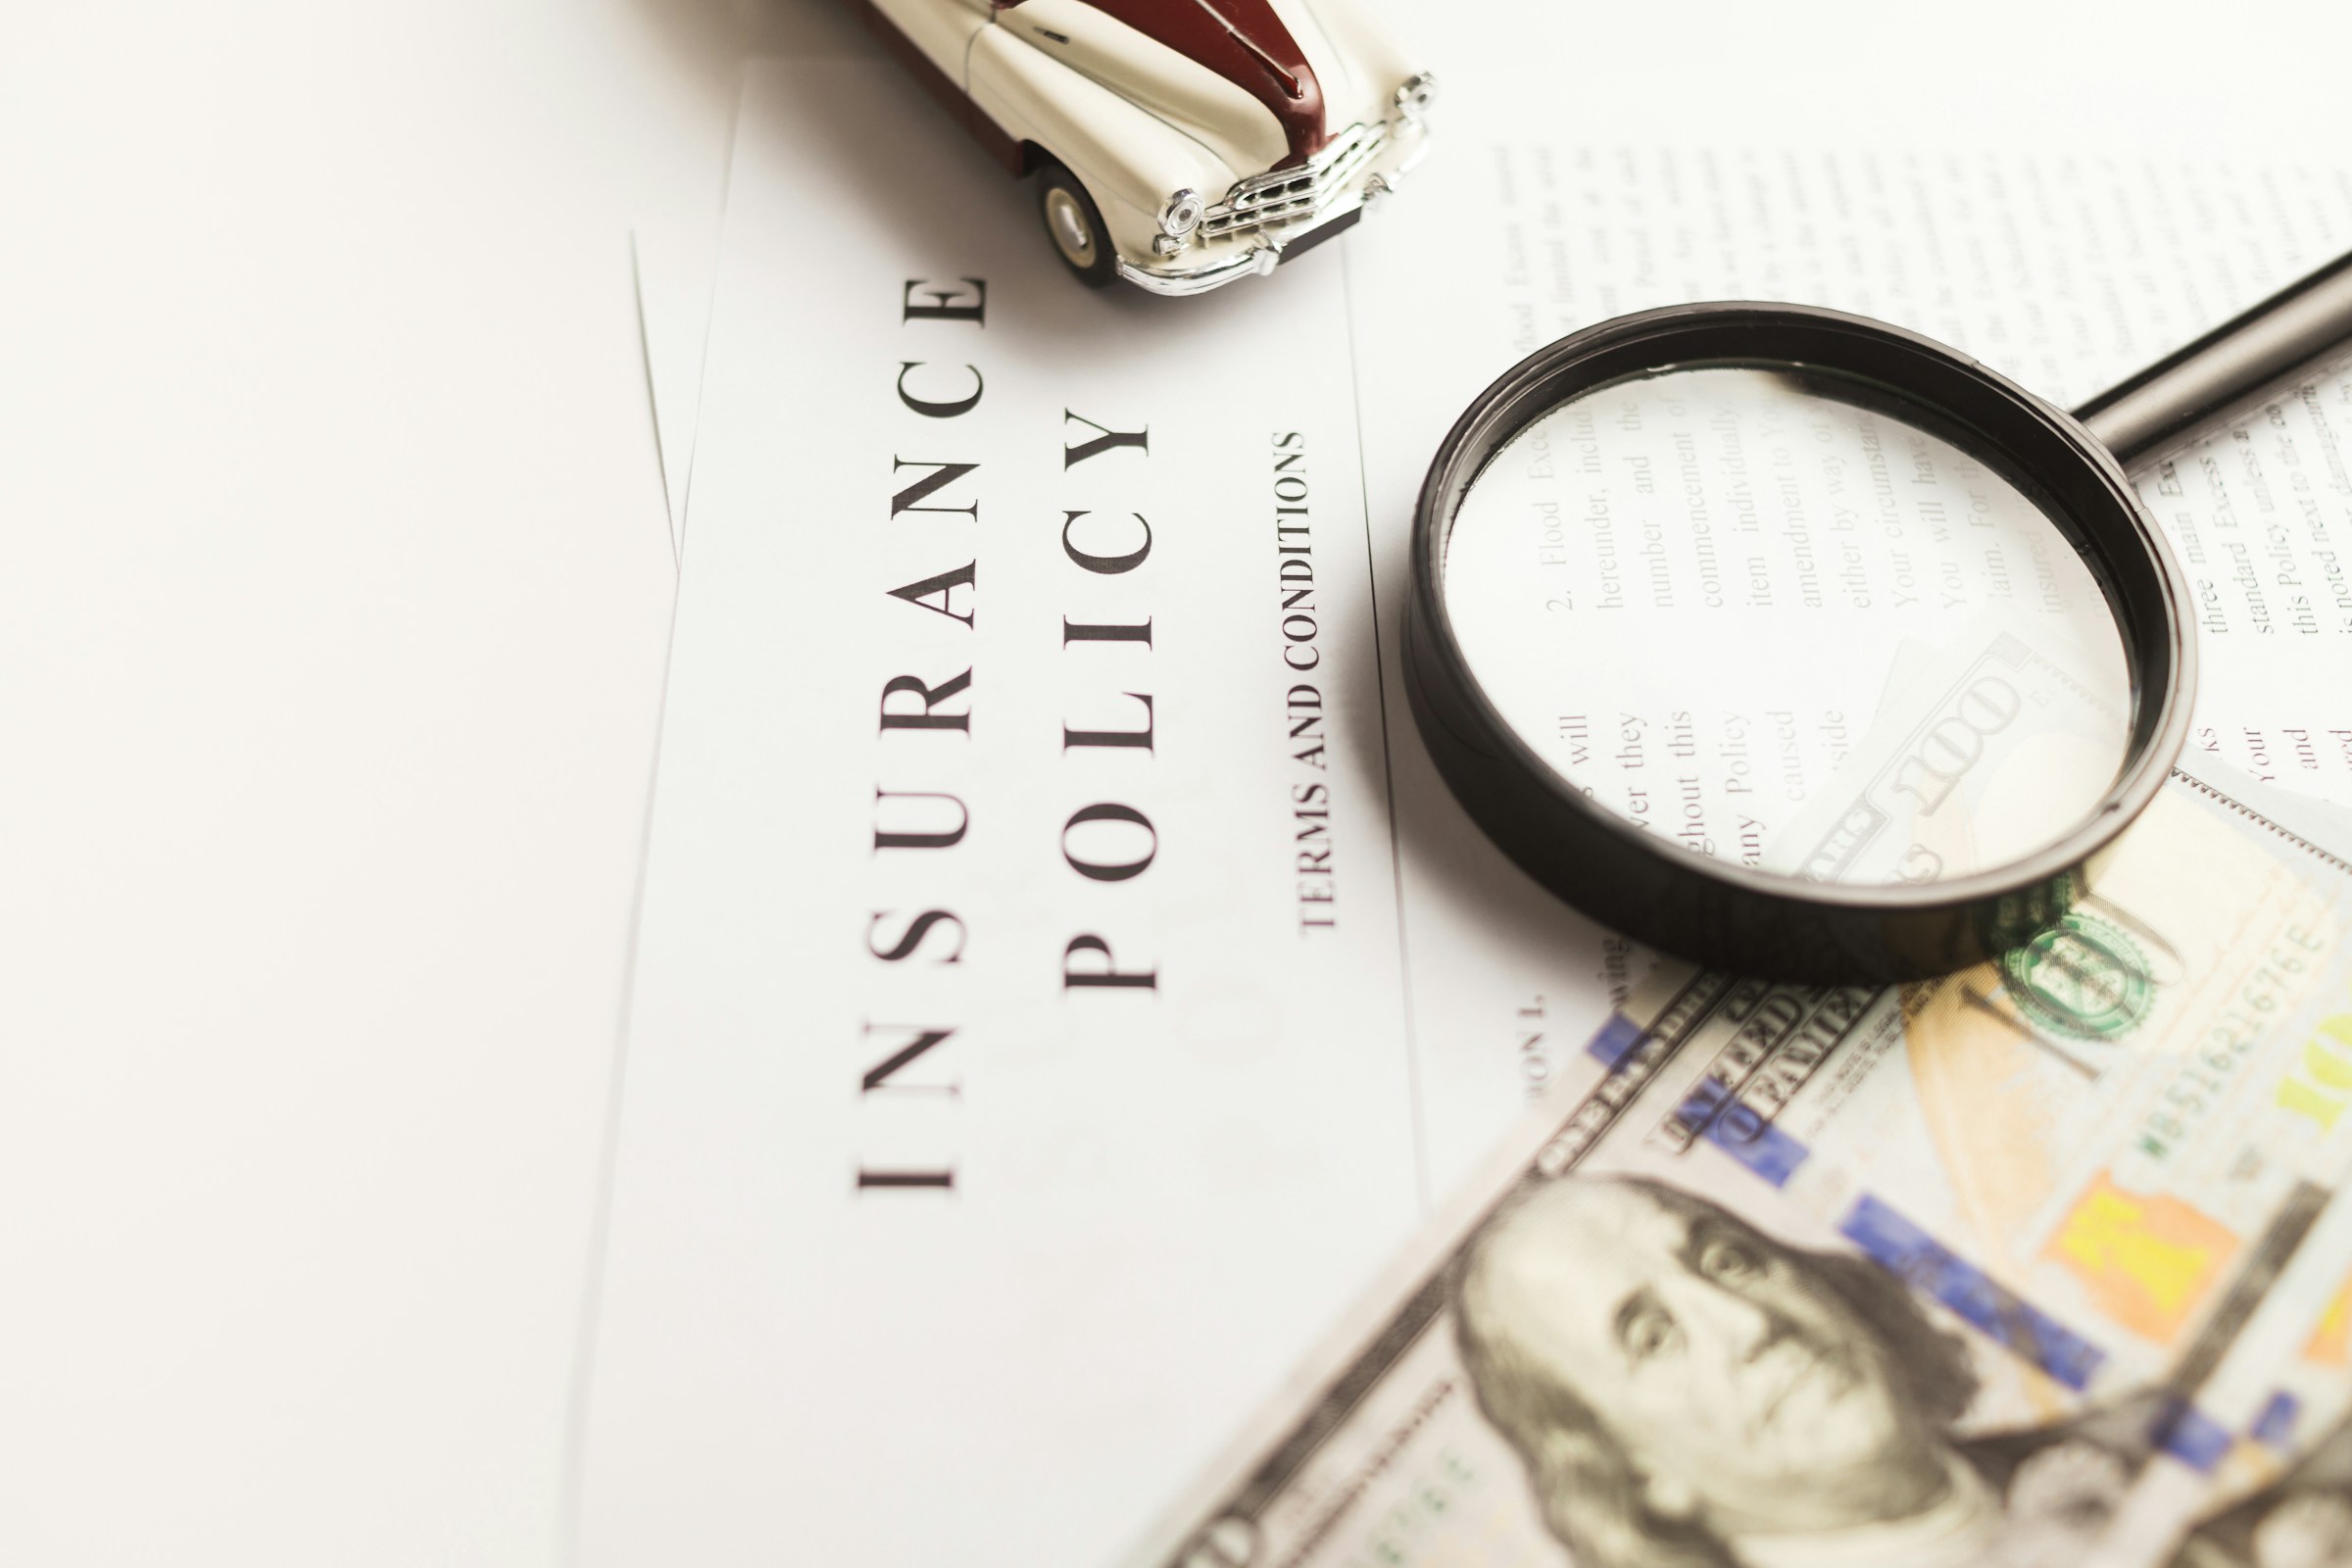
(1805, 647)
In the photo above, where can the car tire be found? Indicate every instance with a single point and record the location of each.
(1075, 226)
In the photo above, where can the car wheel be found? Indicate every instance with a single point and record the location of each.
(1074, 223)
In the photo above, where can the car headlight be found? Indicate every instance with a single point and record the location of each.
(1181, 214)
(1416, 95)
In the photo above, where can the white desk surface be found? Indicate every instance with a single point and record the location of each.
(331, 652)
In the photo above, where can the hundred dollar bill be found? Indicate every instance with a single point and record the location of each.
(1980, 753)
(1904, 1277)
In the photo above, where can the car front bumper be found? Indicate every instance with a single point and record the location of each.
(1257, 250)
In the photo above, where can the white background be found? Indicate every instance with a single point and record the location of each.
(331, 647)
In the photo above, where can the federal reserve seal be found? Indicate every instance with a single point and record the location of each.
(2083, 977)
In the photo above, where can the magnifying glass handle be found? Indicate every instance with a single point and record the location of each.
(2293, 327)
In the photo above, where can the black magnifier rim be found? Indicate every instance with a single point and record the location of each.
(1716, 911)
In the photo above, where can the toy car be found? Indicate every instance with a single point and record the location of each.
(1179, 144)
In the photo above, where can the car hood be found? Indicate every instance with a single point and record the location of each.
(1357, 66)
(1260, 83)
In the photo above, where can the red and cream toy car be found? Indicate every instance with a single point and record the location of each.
(1179, 144)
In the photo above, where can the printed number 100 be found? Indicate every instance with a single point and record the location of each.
(2323, 1087)
(1955, 743)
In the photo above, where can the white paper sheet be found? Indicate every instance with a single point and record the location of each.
(898, 1116)
(2259, 514)
(1117, 1211)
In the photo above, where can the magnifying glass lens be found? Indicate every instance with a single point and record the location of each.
(1771, 616)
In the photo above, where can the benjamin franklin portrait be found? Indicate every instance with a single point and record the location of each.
(1687, 1392)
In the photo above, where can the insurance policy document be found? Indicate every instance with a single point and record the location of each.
(1060, 978)
(1020, 972)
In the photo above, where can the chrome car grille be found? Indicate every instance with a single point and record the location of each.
(1284, 194)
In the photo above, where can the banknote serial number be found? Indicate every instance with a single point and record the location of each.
(2251, 1012)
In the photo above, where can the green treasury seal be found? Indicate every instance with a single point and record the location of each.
(2083, 977)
